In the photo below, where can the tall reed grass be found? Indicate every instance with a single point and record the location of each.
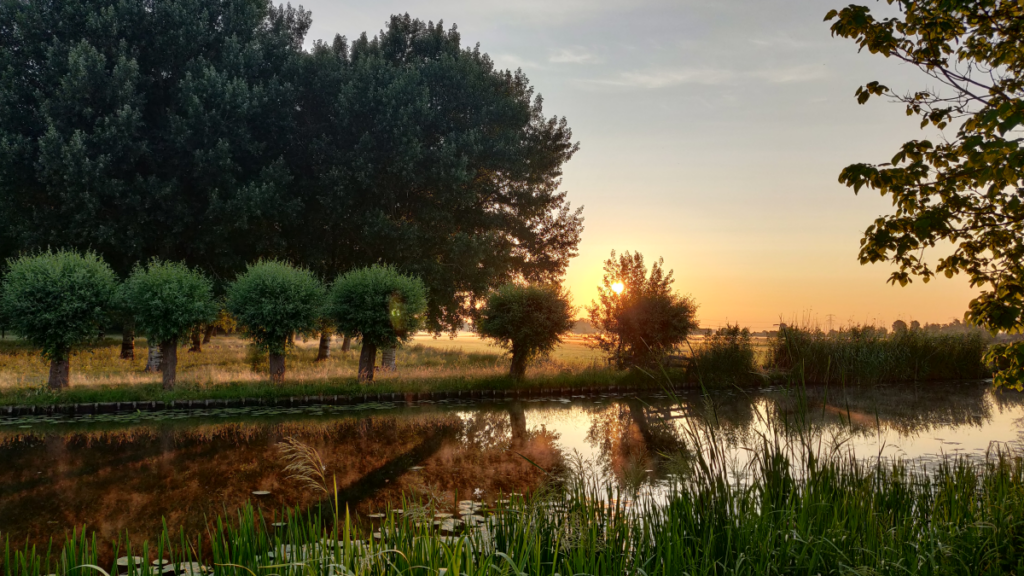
(726, 357)
(865, 355)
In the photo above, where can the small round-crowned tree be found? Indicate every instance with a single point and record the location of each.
(638, 316)
(272, 300)
(167, 300)
(382, 305)
(57, 300)
(527, 320)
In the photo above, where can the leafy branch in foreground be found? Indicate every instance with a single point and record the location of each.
(967, 190)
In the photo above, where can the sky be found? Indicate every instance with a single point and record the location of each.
(712, 134)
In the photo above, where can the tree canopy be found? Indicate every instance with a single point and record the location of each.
(435, 162)
(57, 300)
(638, 315)
(383, 306)
(968, 187)
(167, 301)
(527, 320)
(272, 300)
(147, 128)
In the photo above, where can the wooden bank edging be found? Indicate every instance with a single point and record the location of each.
(292, 401)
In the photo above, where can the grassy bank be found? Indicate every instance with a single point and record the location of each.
(226, 369)
(796, 509)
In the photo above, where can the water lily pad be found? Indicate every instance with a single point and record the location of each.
(261, 492)
(136, 560)
(375, 515)
(442, 515)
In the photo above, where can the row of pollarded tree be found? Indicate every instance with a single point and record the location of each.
(57, 300)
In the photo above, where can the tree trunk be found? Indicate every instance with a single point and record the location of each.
(325, 346)
(388, 361)
(169, 364)
(367, 361)
(346, 344)
(517, 418)
(277, 368)
(208, 334)
(128, 341)
(60, 374)
(518, 369)
(197, 340)
(155, 361)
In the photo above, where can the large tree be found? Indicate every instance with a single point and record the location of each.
(967, 188)
(147, 128)
(416, 151)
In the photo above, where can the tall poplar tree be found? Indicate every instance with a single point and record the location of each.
(147, 128)
(417, 152)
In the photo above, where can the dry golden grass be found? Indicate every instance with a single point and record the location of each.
(227, 360)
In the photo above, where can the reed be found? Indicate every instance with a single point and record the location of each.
(866, 355)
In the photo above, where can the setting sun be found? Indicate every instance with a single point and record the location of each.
(618, 287)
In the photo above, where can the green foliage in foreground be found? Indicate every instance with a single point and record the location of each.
(57, 300)
(796, 512)
(864, 355)
(273, 300)
(964, 189)
(528, 320)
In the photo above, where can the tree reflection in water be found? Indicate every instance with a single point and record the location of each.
(129, 479)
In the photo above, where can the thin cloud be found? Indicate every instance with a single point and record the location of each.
(573, 56)
(791, 74)
(667, 78)
(512, 62)
(779, 40)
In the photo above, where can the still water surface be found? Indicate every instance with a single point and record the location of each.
(126, 472)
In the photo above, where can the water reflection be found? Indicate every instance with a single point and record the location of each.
(126, 476)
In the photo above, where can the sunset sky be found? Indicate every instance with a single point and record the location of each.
(712, 134)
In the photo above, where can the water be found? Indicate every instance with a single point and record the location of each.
(126, 472)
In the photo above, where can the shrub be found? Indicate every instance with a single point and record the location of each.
(725, 357)
(379, 304)
(57, 300)
(272, 301)
(527, 320)
(167, 300)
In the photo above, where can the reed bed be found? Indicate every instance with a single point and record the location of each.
(865, 355)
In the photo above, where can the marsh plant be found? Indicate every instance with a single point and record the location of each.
(303, 464)
(726, 357)
(869, 355)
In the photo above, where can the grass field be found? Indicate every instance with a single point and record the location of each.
(226, 368)
(227, 359)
